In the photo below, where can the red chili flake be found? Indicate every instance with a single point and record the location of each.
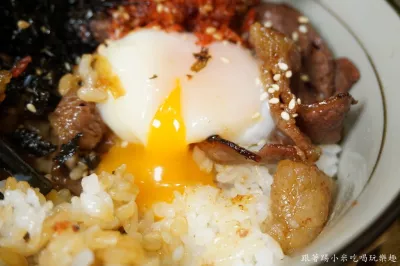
(204, 39)
(249, 20)
(20, 66)
(184, 15)
(242, 232)
(59, 227)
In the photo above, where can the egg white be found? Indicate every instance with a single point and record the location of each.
(223, 98)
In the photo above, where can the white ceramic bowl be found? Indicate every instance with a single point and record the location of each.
(367, 32)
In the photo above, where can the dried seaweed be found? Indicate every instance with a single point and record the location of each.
(92, 160)
(68, 150)
(32, 142)
(51, 36)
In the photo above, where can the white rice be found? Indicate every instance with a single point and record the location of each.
(223, 224)
(94, 200)
(329, 160)
(203, 226)
(22, 213)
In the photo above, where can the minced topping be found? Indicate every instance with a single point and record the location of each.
(202, 59)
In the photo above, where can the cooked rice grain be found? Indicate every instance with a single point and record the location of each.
(204, 225)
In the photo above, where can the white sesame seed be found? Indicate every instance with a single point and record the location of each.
(285, 116)
(283, 66)
(124, 144)
(125, 16)
(304, 77)
(275, 86)
(268, 24)
(22, 24)
(295, 115)
(271, 90)
(256, 115)
(210, 30)
(67, 66)
(156, 123)
(298, 101)
(207, 8)
(277, 77)
(292, 104)
(225, 43)
(258, 81)
(288, 74)
(225, 60)
(274, 100)
(160, 8)
(156, 27)
(263, 96)
(303, 19)
(31, 108)
(303, 28)
(295, 36)
(217, 36)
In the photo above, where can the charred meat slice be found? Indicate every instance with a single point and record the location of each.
(284, 19)
(323, 121)
(73, 116)
(320, 66)
(226, 152)
(272, 48)
(346, 75)
(303, 89)
(273, 153)
(325, 75)
(319, 78)
(300, 201)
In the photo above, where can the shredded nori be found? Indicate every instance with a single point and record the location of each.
(92, 160)
(50, 40)
(32, 142)
(57, 35)
(68, 150)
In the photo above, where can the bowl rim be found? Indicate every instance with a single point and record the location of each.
(392, 211)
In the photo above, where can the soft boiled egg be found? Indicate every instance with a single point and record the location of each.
(166, 106)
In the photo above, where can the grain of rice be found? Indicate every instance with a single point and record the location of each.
(92, 94)
(152, 241)
(178, 253)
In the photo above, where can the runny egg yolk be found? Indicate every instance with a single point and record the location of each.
(165, 164)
